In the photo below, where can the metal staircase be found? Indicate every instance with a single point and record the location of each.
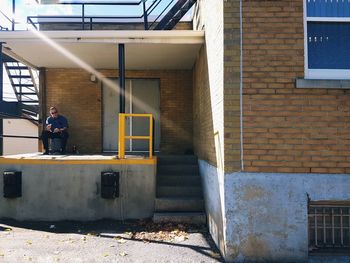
(22, 79)
(175, 14)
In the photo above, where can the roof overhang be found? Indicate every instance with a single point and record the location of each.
(144, 50)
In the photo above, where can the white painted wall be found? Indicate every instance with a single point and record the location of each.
(20, 145)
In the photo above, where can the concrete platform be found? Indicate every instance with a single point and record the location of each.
(68, 187)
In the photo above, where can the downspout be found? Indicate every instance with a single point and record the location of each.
(241, 80)
(121, 50)
(1, 97)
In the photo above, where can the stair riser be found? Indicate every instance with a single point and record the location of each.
(198, 219)
(178, 181)
(178, 169)
(179, 205)
(168, 191)
(178, 160)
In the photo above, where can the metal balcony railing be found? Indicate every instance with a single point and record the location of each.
(149, 13)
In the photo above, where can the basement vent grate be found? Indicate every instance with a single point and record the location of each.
(329, 227)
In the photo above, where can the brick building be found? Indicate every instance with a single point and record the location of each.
(258, 92)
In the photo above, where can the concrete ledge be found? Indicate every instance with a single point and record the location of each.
(39, 159)
(61, 191)
(322, 84)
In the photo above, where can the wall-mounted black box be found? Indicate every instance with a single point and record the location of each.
(12, 184)
(109, 185)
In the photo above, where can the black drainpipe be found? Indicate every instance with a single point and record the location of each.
(121, 51)
(1, 97)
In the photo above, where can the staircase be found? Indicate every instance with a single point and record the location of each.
(22, 81)
(179, 196)
(175, 14)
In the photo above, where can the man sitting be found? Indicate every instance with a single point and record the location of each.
(56, 127)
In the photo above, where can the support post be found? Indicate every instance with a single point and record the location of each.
(121, 51)
(145, 18)
(83, 16)
(42, 104)
(1, 99)
(13, 14)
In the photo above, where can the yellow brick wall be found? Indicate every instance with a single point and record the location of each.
(208, 86)
(203, 131)
(79, 100)
(232, 61)
(288, 129)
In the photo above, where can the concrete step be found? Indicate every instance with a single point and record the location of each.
(179, 217)
(176, 159)
(178, 180)
(179, 204)
(179, 191)
(188, 169)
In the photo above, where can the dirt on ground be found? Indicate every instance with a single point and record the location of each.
(105, 241)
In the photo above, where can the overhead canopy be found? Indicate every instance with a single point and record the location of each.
(144, 50)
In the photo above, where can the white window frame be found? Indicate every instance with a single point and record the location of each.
(321, 73)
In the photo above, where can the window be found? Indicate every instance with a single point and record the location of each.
(329, 227)
(327, 39)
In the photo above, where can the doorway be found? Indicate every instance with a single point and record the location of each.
(141, 96)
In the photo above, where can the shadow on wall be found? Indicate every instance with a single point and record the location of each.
(207, 145)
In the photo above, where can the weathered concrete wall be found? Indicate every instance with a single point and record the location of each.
(72, 192)
(212, 182)
(266, 213)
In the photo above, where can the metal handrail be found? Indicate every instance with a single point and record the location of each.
(161, 13)
(92, 19)
(122, 137)
(2, 27)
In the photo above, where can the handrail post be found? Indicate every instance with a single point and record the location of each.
(150, 136)
(145, 18)
(121, 144)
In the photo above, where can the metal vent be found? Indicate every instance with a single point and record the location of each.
(329, 226)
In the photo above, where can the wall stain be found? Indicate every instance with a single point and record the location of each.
(254, 192)
(254, 248)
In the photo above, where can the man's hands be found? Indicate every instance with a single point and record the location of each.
(49, 126)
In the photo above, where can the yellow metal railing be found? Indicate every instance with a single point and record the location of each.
(123, 137)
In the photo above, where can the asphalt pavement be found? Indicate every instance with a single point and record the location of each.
(105, 241)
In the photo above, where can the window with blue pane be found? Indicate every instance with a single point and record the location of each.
(328, 37)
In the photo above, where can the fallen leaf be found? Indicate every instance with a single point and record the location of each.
(215, 254)
(8, 229)
(120, 240)
(2, 254)
(29, 242)
(123, 254)
(105, 255)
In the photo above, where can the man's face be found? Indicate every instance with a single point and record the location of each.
(54, 113)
